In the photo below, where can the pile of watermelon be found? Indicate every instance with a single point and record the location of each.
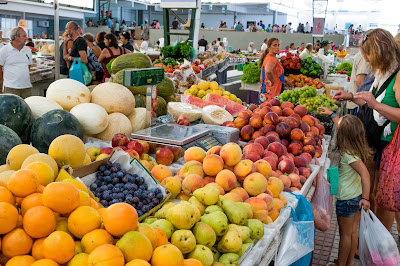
(214, 99)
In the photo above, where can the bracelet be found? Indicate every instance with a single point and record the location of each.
(365, 199)
(352, 96)
(332, 115)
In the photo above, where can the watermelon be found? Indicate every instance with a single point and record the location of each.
(165, 88)
(140, 100)
(232, 107)
(8, 139)
(197, 101)
(16, 114)
(51, 125)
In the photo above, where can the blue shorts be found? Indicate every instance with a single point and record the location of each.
(347, 208)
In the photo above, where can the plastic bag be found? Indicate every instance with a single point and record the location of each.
(321, 204)
(79, 72)
(376, 246)
(298, 237)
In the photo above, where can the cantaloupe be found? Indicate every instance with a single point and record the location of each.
(68, 93)
(138, 119)
(92, 117)
(68, 150)
(40, 105)
(215, 115)
(114, 98)
(117, 123)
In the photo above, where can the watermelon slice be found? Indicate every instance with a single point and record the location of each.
(198, 102)
(232, 107)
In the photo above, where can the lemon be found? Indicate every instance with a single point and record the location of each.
(193, 91)
(226, 96)
(204, 98)
(233, 97)
(226, 93)
(239, 101)
(214, 85)
(194, 87)
(201, 93)
(203, 85)
(187, 92)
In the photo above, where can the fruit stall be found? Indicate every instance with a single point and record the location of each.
(127, 173)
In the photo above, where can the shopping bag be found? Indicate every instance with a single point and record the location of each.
(388, 194)
(298, 237)
(79, 72)
(333, 179)
(321, 204)
(377, 246)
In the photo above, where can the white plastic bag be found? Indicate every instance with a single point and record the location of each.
(377, 246)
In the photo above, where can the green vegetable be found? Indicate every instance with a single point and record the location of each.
(345, 66)
(182, 50)
(310, 67)
(109, 66)
(251, 73)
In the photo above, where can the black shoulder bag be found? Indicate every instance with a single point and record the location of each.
(373, 131)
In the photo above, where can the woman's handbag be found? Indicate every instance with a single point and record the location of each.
(79, 72)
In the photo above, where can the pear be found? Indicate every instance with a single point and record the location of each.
(197, 214)
(184, 240)
(204, 234)
(150, 220)
(207, 195)
(213, 208)
(248, 207)
(194, 201)
(230, 242)
(247, 241)
(244, 248)
(164, 225)
(244, 231)
(237, 214)
(218, 221)
(182, 215)
(229, 259)
(216, 254)
(203, 254)
(161, 213)
(256, 227)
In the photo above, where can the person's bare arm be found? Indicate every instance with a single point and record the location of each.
(362, 170)
(96, 51)
(342, 95)
(128, 51)
(83, 56)
(329, 112)
(269, 71)
(103, 55)
(360, 80)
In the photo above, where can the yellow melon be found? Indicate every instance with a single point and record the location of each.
(18, 154)
(3, 168)
(78, 184)
(5, 176)
(63, 175)
(41, 157)
(43, 170)
(87, 160)
(68, 150)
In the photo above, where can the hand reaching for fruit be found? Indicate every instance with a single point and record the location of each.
(325, 111)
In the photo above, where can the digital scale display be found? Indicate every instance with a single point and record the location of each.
(208, 142)
(143, 77)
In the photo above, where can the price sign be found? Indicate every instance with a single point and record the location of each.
(143, 77)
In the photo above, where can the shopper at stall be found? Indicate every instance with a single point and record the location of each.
(112, 51)
(292, 48)
(264, 46)
(381, 51)
(221, 48)
(262, 25)
(251, 49)
(203, 43)
(307, 52)
(238, 27)
(146, 30)
(341, 53)
(272, 74)
(15, 59)
(144, 46)
(79, 46)
(308, 28)
(125, 39)
(64, 71)
(94, 52)
(30, 42)
(1, 40)
(175, 24)
(100, 39)
(325, 48)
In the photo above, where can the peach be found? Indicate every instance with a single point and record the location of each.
(311, 134)
(273, 138)
(246, 132)
(308, 119)
(287, 111)
(321, 129)
(299, 186)
(287, 105)
(268, 220)
(244, 168)
(271, 154)
(286, 166)
(263, 141)
(309, 149)
(182, 196)
(231, 153)
(315, 129)
(228, 124)
(263, 167)
(300, 110)
(244, 114)
(164, 156)
(286, 180)
(296, 171)
(226, 179)
(278, 204)
(275, 102)
(264, 104)
(307, 156)
(268, 128)
(252, 107)
(277, 110)
(300, 161)
(194, 154)
(160, 172)
(283, 199)
(295, 148)
(318, 152)
(304, 127)
(274, 214)
(264, 111)
(191, 183)
(241, 192)
(257, 203)
(306, 172)
(267, 191)
(292, 122)
(255, 184)
(192, 167)
(309, 141)
(271, 118)
(221, 190)
(302, 179)
(257, 134)
(291, 156)
(277, 148)
(281, 118)
(283, 130)
(268, 199)
(177, 151)
(285, 157)
(256, 121)
(212, 164)
(261, 215)
(214, 150)
(146, 164)
(297, 117)
(271, 161)
(278, 172)
(295, 179)
(252, 156)
(285, 142)
(275, 185)
(240, 122)
(230, 168)
(272, 133)
(233, 197)
(254, 147)
(208, 180)
(293, 189)
(179, 177)
(297, 134)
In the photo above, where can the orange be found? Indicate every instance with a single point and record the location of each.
(44, 172)
(2, 184)
(61, 197)
(62, 225)
(37, 249)
(120, 218)
(94, 204)
(8, 217)
(40, 189)
(23, 182)
(6, 196)
(39, 222)
(106, 255)
(80, 259)
(24, 260)
(33, 200)
(45, 262)
(18, 200)
(148, 231)
(16, 243)
(41, 157)
(83, 220)
(96, 238)
(20, 221)
(59, 246)
(101, 211)
(17, 155)
(167, 255)
(192, 262)
(162, 238)
(138, 262)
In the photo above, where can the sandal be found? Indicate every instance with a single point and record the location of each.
(357, 255)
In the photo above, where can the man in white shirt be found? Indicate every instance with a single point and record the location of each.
(289, 28)
(308, 28)
(15, 59)
(144, 46)
(264, 46)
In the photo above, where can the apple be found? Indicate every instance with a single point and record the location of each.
(119, 139)
(107, 150)
(133, 154)
(93, 152)
(120, 148)
(135, 145)
(146, 146)
(101, 156)
(183, 120)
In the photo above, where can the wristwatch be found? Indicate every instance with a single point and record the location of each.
(69, 58)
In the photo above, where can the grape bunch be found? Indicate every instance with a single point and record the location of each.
(295, 95)
(313, 103)
(114, 185)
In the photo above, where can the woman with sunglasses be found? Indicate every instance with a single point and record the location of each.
(382, 52)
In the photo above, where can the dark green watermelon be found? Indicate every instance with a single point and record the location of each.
(52, 124)
(8, 139)
(16, 114)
